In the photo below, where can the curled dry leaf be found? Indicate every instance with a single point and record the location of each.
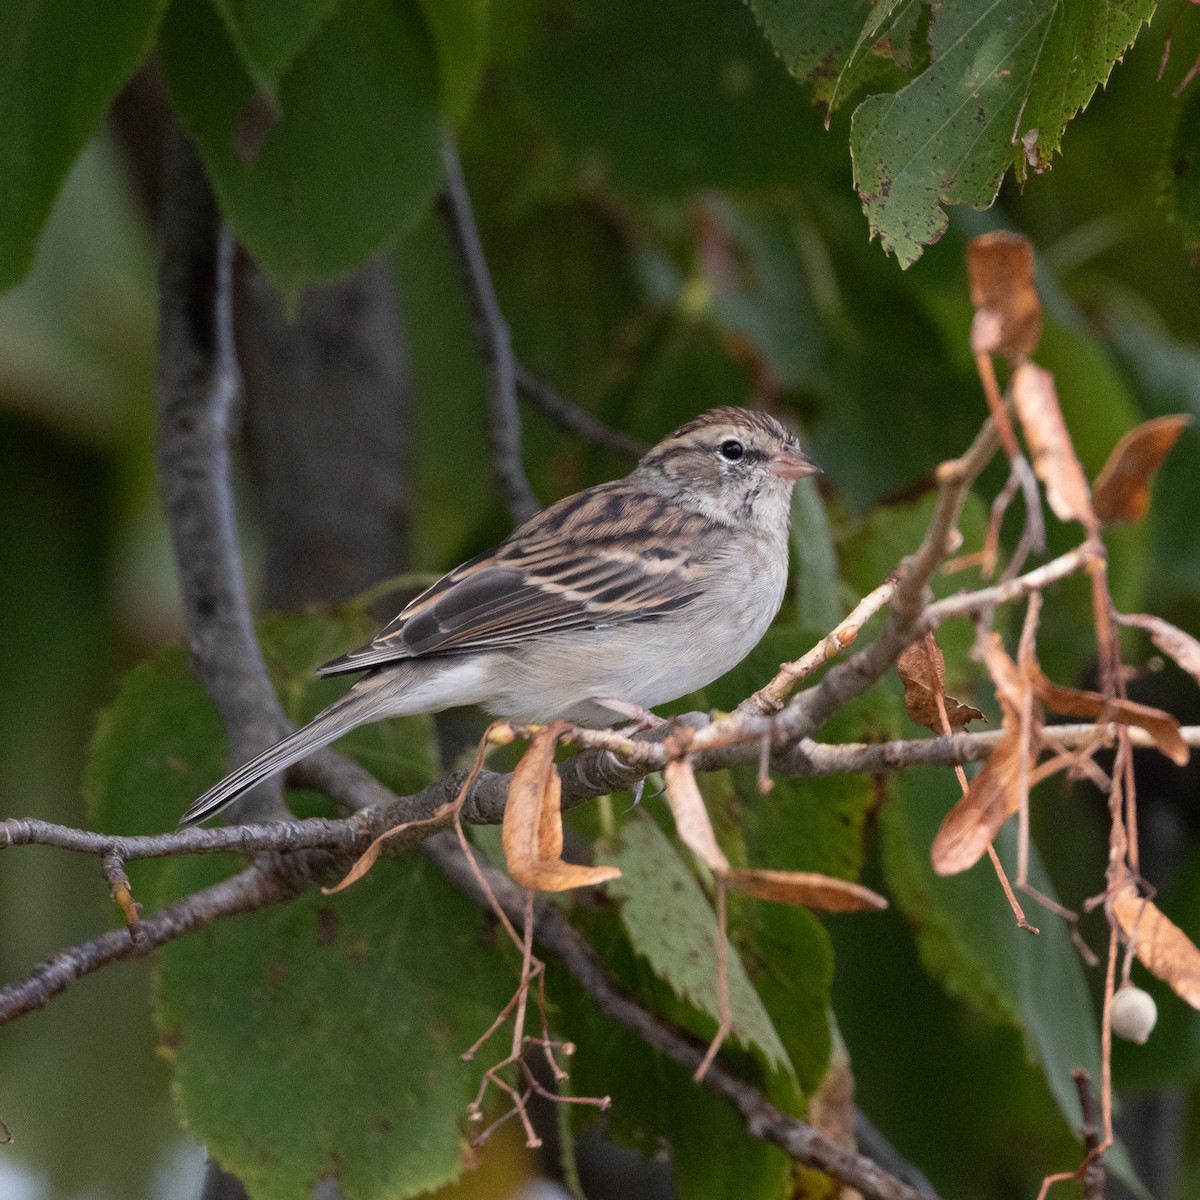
(1001, 269)
(922, 669)
(805, 888)
(1054, 458)
(691, 817)
(532, 832)
(370, 855)
(992, 797)
(1181, 647)
(1122, 491)
(1164, 949)
(1074, 702)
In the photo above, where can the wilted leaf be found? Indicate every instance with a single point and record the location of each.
(922, 668)
(806, 888)
(1181, 647)
(532, 830)
(1074, 702)
(992, 797)
(1000, 266)
(691, 817)
(1054, 458)
(1009, 682)
(1159, 943)
(1122, 491)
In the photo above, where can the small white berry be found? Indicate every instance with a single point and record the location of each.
(1134, 1014)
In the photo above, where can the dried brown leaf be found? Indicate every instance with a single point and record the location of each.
(1074, 702)
(1164, 949)
(805, 888)
(532, 832)
(1000, 266)
(1054, 459)
(993, 796)
(1122, 491)
(691, 816)
(1011, 684)
(922, 669)
(1171, 640)
(370, 856)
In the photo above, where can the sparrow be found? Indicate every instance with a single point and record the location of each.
(626, 595)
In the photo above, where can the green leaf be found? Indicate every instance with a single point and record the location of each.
(970, 942)
(1002, 83)
(268, 34)
(348, 161)
(342, 1020)
(460, 29)
(654, 1100)
(63, 64)
(813, 39)
(670, 923)
(155, 749)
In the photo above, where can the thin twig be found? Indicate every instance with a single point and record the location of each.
(492, 335)
(537, 392)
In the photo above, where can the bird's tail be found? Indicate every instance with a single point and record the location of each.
(356, 707)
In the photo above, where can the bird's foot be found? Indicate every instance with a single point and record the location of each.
(642, 718)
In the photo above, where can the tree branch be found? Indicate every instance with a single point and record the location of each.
(537, 392)
(197, 389)
(492, 335)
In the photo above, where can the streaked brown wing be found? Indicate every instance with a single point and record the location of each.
(607, 556)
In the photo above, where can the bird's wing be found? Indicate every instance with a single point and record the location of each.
(611, 555)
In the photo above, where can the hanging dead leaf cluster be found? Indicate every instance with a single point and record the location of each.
(1008, 322)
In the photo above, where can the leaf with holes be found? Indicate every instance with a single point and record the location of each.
(1002, 82)
(922, 670)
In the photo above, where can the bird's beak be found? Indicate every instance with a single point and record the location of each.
(789, 463)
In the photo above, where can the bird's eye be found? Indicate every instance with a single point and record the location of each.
(731, 450)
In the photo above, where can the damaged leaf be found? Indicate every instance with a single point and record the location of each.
(922, 669)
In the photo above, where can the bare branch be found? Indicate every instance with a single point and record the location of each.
(256, 887)
(491, 332)
(197, 389)
(537, 392)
